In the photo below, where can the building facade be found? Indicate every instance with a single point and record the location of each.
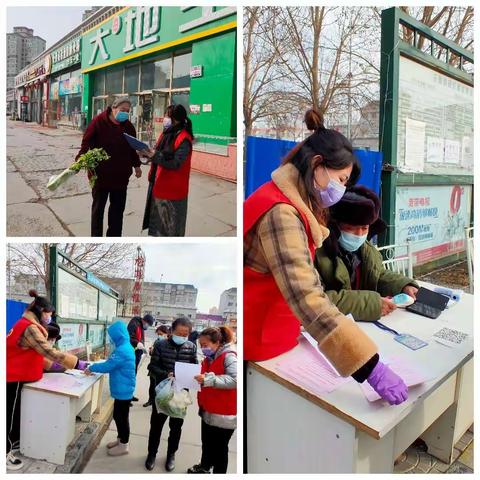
(162, 55)
(165, 301)
(22, 47)
(228, 302)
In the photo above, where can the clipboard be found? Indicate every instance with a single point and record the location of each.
(135, 143)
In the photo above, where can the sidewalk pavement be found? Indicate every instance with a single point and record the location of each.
(188, 454)
(35, 153)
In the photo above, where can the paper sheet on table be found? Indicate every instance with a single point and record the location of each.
(308, 369)
(450, 337)
(314, 344)
(410, 375)
(184, 373)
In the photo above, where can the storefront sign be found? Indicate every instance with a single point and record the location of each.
(134, 30)
(74, 337)
(24, 99)
(39, 69)
(67, 55)
(98, 283)
(432, 219)
(196, 71)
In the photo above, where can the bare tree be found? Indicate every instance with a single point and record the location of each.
(260, 47)
(102, 259)
(326, 57)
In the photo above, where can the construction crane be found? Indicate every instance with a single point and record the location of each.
(137, 286)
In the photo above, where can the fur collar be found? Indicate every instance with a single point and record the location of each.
(286, 179)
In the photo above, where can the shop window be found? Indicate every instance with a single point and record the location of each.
(162, 73)
(131, 78)
(181, 98)
(148, 74)
(114, 81)
(99, 84)
(181, 70)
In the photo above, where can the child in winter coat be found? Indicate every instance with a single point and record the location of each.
(121, 367)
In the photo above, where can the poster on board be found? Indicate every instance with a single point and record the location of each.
(74, 337)
(432, 219)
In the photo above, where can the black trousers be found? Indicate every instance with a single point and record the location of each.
(157, 420)
(14, 400)
(138, 357)
(118, 199)
(215, 448)
(121, 410)
(151, 389)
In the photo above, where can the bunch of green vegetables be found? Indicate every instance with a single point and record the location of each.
(87, 161)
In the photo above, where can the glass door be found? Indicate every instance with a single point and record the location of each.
(145, 131)
(160, 104)
(99, 105)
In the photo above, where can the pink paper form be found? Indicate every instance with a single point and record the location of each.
(308, 369)
(410, 375)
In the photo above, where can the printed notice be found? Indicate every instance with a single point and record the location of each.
(414, 145)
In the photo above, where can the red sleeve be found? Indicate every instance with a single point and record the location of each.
(89, 138)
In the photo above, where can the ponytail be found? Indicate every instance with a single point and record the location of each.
(222, 335)
(39, 304)
(188, 127)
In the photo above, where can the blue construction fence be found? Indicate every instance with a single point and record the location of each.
(15, 311)
(265, 154)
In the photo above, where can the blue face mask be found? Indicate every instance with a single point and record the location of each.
(179, 340)
(332, 194)
(208, 352)
(121, 116)
(351, 242)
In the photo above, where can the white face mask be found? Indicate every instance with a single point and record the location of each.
(167, 122)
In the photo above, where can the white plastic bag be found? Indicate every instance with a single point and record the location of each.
(169, 401)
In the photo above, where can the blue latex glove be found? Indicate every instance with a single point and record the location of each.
(388, 384)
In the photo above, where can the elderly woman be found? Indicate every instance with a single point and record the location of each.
(106, 131)
(350, 267)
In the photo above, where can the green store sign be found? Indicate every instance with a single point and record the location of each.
(137, 31)
(66, 55)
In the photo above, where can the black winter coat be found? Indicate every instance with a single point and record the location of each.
(165, 353)
(132, 327)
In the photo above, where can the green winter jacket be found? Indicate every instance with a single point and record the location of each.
(376, 282)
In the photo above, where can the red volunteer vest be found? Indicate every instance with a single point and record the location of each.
(270, 327)
(23, 364)
(173, 184)
(215, 400)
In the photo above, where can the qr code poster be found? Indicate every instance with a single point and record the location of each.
(450, 337)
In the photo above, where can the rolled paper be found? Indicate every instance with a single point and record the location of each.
(452, 293)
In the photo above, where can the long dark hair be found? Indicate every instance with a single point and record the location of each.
(39, 305)
(180, 115)
(335, 152)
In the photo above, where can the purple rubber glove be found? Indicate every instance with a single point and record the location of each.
(56, 367)
(388, 384)
(82, 365)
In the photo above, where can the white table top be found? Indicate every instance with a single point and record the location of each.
(438, 362)
(65, 384)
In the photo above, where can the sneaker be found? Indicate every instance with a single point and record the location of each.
(13, 463)
(198, 469)
(134, 399)
(147, 404)
(120, 449)
(113, 443)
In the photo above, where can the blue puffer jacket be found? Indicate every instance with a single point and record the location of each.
(120, 365)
